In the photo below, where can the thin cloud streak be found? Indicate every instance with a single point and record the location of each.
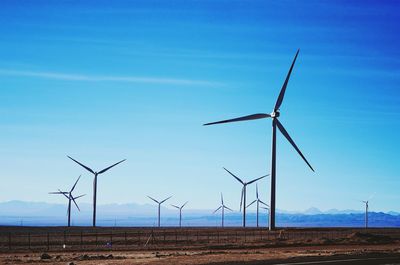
(108, 78)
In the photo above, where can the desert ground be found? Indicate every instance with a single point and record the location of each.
(79, 245)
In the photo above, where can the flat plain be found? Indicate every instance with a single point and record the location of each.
(119, 245)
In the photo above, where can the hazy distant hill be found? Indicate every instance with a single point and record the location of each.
(39, 213)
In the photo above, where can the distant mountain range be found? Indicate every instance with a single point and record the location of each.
(43, 214)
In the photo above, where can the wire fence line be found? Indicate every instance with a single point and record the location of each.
(160, 238)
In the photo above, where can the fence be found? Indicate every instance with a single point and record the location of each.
(147, 238)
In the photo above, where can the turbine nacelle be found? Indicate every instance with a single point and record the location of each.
(275, 114)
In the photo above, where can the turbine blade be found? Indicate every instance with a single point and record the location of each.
(286, 134)
(254, 180)
(226, 207)
(251, 203)
(75, 203)
(175, 206)
(265, 208)
(79, 196)
(241, 199)
(73, 187)
(263, 203)
(104, 170)
(371, 196)
(56, 192)
(166, 199)
(217, 209)
(283, 89)
(184, 204)
(222, 199)
(238, 179)
(64, 193)
(153, 199)
(244, 118)
(257, 190)
(82, 165)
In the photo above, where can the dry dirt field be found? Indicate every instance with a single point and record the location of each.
(196, 246)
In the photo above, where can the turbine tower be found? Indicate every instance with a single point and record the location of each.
(266, 208)
(243, 197)
(275, 123)
(366, 214)
(95, 182)
(222, 207)
(159, 206)
(180, 212)
(367, 207)
(258, 201)
(71, 198)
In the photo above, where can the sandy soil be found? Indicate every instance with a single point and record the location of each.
(226, 256)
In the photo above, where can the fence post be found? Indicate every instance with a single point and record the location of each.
(48, 241)
(96, 239)
(125, 240)
(65, 238)
(81, 240)
(111, 238)
(29, 240)
(9, 241)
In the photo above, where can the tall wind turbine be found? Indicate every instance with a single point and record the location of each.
(243, 197)
(222, 207)
(366, 208)
(71, 198)
(258, 201)
(159, 206)
(275, 123)
(95, 182)
(180, 212)
(366, 214)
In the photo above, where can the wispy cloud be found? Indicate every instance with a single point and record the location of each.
(107, 78)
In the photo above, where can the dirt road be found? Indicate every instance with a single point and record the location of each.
(344, 254)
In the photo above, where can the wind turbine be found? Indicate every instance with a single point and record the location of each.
(180, 212)
(159, 206)
(366, 214)
(258, 202)
(222, 207)
(266, 208)
(366, 209)
(243, 197)
(70, 198)
(95, 182)
(275, 123)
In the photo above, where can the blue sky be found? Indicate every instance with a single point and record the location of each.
(107, 80)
